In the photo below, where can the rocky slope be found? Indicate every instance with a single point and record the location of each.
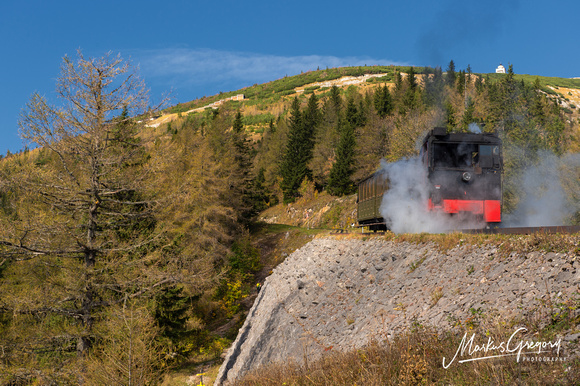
(340, 294)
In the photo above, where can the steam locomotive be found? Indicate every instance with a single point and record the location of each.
(462, 173)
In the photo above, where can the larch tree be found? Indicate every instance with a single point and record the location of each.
(83, 210)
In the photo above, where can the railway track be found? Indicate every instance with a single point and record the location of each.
(502, 231)
(526, 230)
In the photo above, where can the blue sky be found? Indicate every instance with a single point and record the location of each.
(196, 48)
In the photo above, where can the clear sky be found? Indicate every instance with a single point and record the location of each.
(195, 48)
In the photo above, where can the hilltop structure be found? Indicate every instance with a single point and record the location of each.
(500, 69)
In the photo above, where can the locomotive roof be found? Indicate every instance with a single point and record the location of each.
(437, 135)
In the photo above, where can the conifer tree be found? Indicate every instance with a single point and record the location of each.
(460, 82)
(244, 156)
(171, 311)
(340, 183)
(312, 118)
(433, 95)
(335, 97)
(398, 84)
(411, 100)
(238, 125)
(260, 198)
(294, 166)
(383, 101)
(469, 112)
(450, 76)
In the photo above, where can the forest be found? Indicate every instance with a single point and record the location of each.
(125, 249)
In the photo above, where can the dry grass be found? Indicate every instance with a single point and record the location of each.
(506, 244)
(417, 358)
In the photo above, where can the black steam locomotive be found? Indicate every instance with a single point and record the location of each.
(463, 178)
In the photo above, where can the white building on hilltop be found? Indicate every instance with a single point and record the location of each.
(500, 69)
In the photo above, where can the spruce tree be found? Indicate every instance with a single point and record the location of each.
(450, 76)
(383, 101)
(171, 307)
(460, 82)
(340, 183)
(410, 100)
(433, 95)
(468, 115)
(398, 84)
(238, 124)
(244, 156)
(312, 118)
(294, 166)
(335, 98)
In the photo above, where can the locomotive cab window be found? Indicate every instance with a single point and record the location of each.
(485, 160)
(455, 155)
(496, 157)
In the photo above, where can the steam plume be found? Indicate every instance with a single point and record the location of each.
(404, 204)
(548, 192)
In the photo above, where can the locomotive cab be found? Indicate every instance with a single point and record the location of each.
(464, 174)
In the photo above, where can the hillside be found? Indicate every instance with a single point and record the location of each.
(566, 91)
(133, 239)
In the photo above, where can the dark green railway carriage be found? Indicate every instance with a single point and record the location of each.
(370, 195)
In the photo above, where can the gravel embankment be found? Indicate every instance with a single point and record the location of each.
(341, 294)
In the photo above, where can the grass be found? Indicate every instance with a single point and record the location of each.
(315, 210)
(416, 357)
(544, 80)
(287, 84)
(505, 244)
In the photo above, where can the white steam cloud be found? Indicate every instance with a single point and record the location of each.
(404, 204)
(549, 192)
(549, 195)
